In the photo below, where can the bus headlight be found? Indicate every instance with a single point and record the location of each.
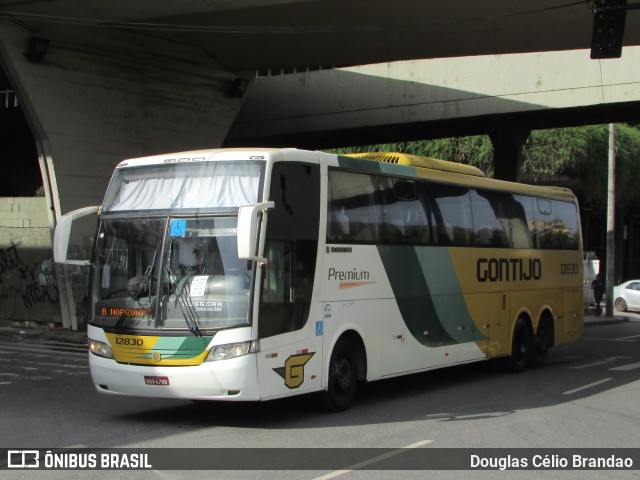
(232, 350)
(100, 349)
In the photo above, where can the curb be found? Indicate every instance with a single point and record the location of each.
(599, 321)
(56, 334)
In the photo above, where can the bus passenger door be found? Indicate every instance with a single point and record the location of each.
(290, 354)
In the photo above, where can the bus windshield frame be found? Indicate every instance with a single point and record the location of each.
(157, 222)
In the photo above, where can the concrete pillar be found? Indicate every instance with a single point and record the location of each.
(508, 137)
(105, 95)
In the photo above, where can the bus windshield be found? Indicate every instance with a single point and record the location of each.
(170, 273)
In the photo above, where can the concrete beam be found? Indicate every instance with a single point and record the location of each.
(432, 98)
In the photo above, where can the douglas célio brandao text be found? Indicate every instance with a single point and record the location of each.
(551, 462)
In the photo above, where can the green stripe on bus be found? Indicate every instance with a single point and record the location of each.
(359, 164)
(373, 166)
(412, 295)
(428, 294)
(447, 296)
(182, 347)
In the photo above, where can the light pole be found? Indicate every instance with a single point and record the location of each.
(611, 216)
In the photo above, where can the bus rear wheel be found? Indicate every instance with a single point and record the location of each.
(520, 348)
(540, 350)
(342, 381)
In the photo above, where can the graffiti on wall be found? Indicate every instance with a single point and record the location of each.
(27, 283)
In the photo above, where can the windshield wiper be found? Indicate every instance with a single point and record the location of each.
(183, 299)
(145, 282)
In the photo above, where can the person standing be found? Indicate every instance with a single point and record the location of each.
(598, 292)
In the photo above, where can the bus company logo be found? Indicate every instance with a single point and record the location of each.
(293, 370)
(508, 269)
(156, 356)
(23, 459)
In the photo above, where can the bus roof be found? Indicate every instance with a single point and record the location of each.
(206, 155)
(420, 162)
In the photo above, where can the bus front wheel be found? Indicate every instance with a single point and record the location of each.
(342, 381)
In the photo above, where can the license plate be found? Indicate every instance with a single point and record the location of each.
(159, 381)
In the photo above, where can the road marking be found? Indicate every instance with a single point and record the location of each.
(626, 368)
(632, 338)
(364, 463)
(594, 384)
(595, 364)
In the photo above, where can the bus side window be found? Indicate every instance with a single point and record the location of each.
(524, 205)
(454, 208)
(557, 225)
(353, 212)
(516, 224)
(487, 209)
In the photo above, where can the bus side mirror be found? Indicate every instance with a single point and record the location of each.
(63, 232)
(248, 230)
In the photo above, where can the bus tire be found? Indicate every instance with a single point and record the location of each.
(342, 380)
(520, 348)
(542, 343)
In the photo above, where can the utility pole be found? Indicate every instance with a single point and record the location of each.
(611, 220)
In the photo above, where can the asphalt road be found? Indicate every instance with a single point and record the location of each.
(586, 397)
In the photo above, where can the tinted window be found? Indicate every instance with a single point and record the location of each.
(489, 211)
(376, 209)
(557, 225)
(454, 213)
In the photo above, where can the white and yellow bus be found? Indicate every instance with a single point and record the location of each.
(256, 274)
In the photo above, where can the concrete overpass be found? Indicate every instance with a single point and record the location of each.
(503, 96)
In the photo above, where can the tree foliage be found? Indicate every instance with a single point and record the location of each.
(580, 153)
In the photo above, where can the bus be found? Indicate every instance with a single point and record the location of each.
(258, 274)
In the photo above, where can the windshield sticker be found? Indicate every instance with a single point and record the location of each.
(198, 285)
(178, 228)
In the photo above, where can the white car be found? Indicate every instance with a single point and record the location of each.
(627, 296)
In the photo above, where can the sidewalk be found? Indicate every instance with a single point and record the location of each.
(590, 318)
(47, 331)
